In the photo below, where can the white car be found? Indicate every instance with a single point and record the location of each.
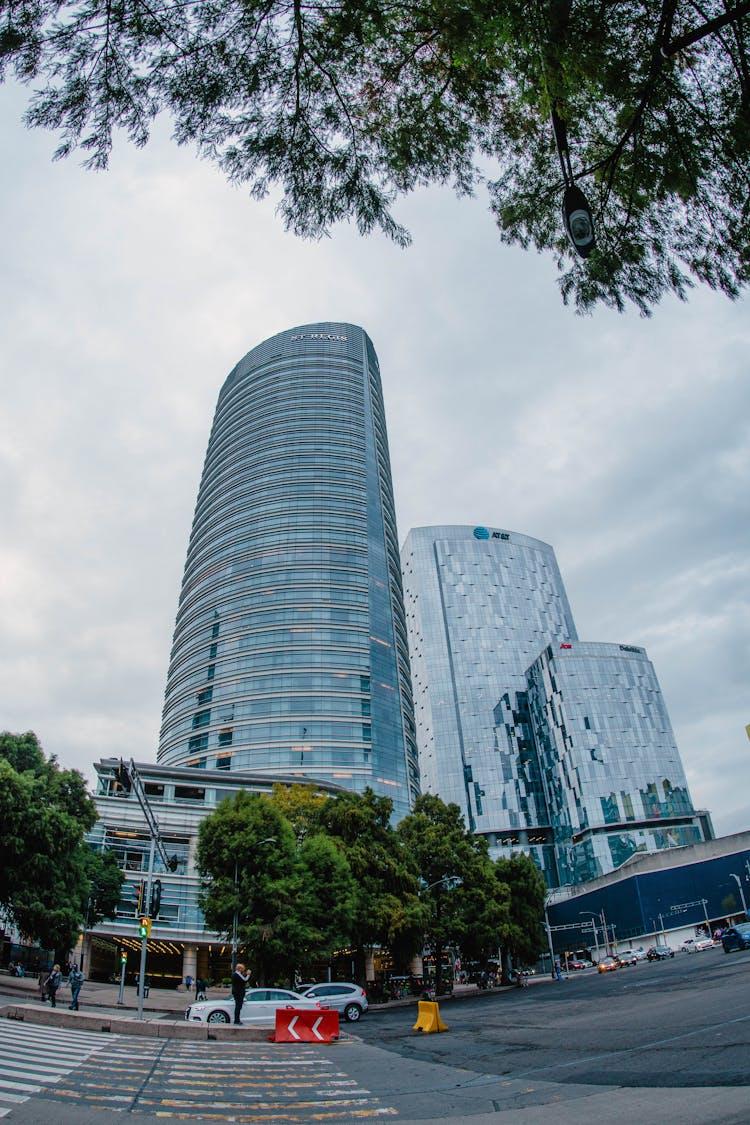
(258, 1010)
(695, 945)
(345, 997)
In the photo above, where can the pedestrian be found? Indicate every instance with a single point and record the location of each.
(42, 981)
(200, 989)
(240, 977)
(558, 971)
(75, 980)
(188, 983)
(53, 982)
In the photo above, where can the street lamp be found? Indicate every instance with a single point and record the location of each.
(548, 931)
(593, 926)
(742, 895)
(267, 840)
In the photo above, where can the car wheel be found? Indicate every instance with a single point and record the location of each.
(725, 949)
(217, 1017)
(352, 1012)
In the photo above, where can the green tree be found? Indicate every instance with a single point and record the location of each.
(105, 879)
(342, 106)
(387, 908)
(293, 898)
(463, 904)
(522, 936)
(45, 813)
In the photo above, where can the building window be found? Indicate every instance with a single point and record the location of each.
(224, 762)
(201, 719)
(197, 742)
(189, 793)
(225, 737)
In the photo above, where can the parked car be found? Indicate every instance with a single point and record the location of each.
(640, 954)
(736, 937)
(696, 945)
(347, 998)
(258, 1010)
(578, 963)
(659, 953)
(608, 964)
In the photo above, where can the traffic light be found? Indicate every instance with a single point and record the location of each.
(140, 907)
(155, 903)
(144, 928)
(122, 777)
(124, 956)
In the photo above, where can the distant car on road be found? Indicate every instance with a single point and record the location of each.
(659, 953)
(608, 964)
(736, 937)
(347, 998)
(258, 1010)
(696, 945)
(578, 963)
(627, 957)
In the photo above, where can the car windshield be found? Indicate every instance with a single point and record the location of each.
(743, 928)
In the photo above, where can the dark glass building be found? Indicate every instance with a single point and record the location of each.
(290, 653)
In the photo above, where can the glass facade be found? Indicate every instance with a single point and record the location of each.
(290, 653)
(612, 772)
(481, 604)
(551, 746)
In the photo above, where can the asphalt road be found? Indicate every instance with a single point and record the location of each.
(678, 1023)
(664, 1043)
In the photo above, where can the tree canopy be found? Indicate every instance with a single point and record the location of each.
(341, 106)
(305, 876)
(49, 878)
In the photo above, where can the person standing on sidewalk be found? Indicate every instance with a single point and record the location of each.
(75, 980)
(240, 977)
(53, 982)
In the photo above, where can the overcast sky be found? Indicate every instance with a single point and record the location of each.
(127, 297)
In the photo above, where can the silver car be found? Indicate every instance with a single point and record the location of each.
(349, 999)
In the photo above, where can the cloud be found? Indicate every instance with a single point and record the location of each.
(127, 297)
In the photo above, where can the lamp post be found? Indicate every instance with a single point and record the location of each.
(742, 893)
(548, 930)
(593, 926)
(235, 919)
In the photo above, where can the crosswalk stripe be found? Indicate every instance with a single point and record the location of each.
(35, 1058)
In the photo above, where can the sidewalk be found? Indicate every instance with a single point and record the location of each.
(163, 1009)
(95, 994)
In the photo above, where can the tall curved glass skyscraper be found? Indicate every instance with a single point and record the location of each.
(290, 653)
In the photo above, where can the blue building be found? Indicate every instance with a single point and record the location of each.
(290, 654)
(663, 897)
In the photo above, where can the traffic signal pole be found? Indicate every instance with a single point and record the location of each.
(129, 778)
(144, 939)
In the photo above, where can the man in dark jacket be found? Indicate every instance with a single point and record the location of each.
(240, 977)
(75, 980)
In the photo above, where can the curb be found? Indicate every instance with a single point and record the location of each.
(156, 1029)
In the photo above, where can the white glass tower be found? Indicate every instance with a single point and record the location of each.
(290, 652)
(550, 746)
(613, 776)
(481, 603)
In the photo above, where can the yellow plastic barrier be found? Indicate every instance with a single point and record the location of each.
(428, 1018)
